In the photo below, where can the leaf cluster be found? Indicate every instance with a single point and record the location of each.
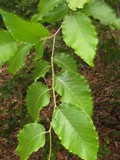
(71, 119)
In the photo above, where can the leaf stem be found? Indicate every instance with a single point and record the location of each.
(53, 84)
(50, 150)
(53, 71)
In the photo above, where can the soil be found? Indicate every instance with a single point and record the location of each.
(105, 84)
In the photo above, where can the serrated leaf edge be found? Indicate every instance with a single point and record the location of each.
(73, 127)
(22, 131)
(75, 49)
(41, 16)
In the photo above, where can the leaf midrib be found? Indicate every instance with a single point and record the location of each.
(66, 67)
(68, 90)
(38, 100)
(19, 54)
(28, 144)
(84, 142)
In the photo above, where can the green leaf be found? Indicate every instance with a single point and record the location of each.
(46, 5)
(79, 34)
(37, 97)
(66, 62)
(74, 89)
(103, 12)
(22, 30)
(76, 131)
(17, 61)
(41, 68)
(57, 13)
(35, 18)
(74, 4)
(8, 46)
(31, 138)
(39, 47)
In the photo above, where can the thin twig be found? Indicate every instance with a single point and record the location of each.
(50, 148)
(53, 84)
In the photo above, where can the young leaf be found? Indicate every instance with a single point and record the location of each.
(22, 30)
(39, 47)
(17, 61)
(31, 138)
(46, 5)
(100, 10)
(79, 34)
(41, 68)
(8, 46)
(75, 90)
(37, 97)
(76, 131)
(57, 13)
(74, 4)
(66, 62)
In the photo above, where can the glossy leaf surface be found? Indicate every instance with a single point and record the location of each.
(22, 30)
(17, 61)
(66, 62)
(75, 90)
(8, 46)
(31, 138)
(76, 131)
(37, 97)
(79, 33)
(103, 12)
